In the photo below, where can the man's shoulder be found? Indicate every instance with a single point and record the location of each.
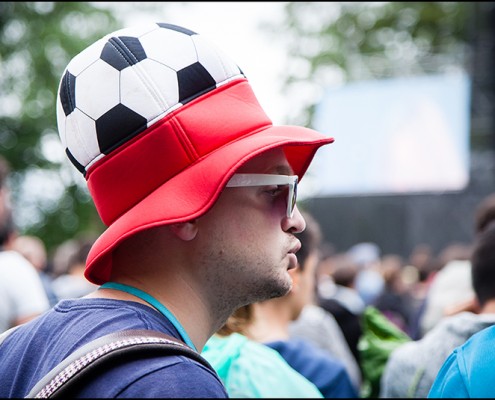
(150, 374)
(302, 354)
(296, 346)
(165, 376)
(449, 333)
(478, 350)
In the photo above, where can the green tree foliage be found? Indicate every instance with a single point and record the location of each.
(37, 40)
(337, 42)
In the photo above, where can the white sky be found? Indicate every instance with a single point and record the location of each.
(233, 26)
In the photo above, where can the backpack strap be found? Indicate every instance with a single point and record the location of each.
(92, 358)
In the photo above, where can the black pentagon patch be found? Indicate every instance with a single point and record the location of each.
(117, 126)
(176, 28)
(194, 81)
(67, 93)
(123, 51)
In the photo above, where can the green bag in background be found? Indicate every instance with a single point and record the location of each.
(379, 338)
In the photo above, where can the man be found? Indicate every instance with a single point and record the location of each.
(198, 190)
(22, 296)
(272, 319)
(412, 368)
(71, 282)
(468, 369)
(34, 250)
(467, 372)
(314, 323)
(250, 369)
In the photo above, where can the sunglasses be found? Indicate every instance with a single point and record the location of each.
(242, 180)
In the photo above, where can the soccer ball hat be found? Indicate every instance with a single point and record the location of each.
(158, 119)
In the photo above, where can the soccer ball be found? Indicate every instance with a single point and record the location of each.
(130, 79)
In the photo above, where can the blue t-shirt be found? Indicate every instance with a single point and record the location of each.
(318, 366)
(468, 371)
(252, 370)
(35, 348)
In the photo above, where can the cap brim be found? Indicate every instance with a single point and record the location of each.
(193, 191)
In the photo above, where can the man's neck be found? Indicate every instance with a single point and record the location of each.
(270, 322)
(488, 307)
(190, 315)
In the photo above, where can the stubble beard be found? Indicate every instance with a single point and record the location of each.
(238, 283)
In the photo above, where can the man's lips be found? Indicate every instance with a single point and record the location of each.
(292, 261)
(296, 247)
(292, 255)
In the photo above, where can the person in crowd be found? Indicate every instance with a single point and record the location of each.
(337, 295)
(272, 319)
(22, 296)
(467, 368)
(413, 367)
(369, 281)
(395, 301)
(198, 190)
(250, 369)
(320, 327)
(34, 250)
(425, 264)
(450, 286)
(72, 283)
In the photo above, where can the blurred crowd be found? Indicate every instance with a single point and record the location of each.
(31, 280)
(357, 323)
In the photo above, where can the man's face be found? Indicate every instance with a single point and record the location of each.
(247, 240)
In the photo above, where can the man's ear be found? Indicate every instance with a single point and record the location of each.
(185, 230)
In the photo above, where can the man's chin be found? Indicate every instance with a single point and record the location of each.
(283, 289)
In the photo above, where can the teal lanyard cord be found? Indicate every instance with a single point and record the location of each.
(155, 303)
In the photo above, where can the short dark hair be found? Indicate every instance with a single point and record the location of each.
(483, 266)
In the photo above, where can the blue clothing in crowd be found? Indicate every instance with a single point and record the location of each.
(468, 371)
(252, 370)
(35, 348)
(318, 366)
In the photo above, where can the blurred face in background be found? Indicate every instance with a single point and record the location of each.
(304, 280)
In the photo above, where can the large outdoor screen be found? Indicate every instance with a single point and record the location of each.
(393, 136)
